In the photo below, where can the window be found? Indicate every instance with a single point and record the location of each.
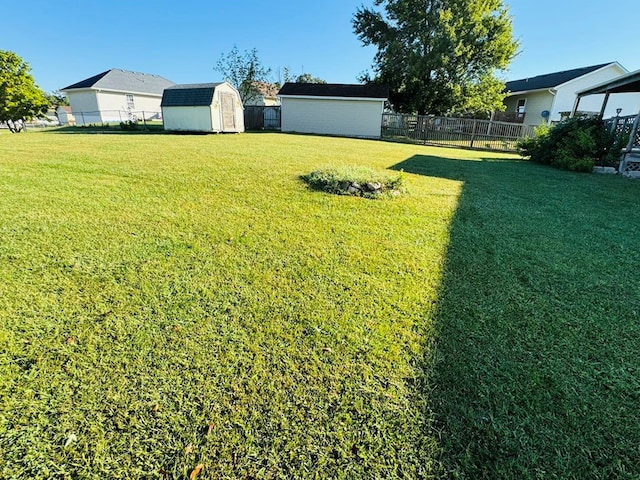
(520, 107)
(130, 104)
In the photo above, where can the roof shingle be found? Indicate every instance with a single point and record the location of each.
(125, 81)
(189, 95)
(371, 90)
(550, 80)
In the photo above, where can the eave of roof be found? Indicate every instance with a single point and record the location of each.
(123, 81)
(552, 80)
(625, 84)
(335, 90)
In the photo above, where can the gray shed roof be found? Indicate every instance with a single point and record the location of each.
(550, 80)
(371, 90)
(124, 81)
(189, 95)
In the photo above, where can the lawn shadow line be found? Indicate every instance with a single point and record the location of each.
(503, 378)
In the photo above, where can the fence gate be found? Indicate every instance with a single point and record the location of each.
(262, 118)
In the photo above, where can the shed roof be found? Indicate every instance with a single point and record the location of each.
(124, 80)
(551, 80)
(189, 95)
(370, 90)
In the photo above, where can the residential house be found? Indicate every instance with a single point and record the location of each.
(116, 96)
(267, 95)
(550, 97)
(65, 115)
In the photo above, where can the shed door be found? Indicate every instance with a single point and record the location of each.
(228, 112)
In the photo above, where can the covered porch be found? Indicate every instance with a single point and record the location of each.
(620, 125)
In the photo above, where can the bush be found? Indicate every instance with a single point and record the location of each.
(358, 181)
(575, 144)
(129, 125)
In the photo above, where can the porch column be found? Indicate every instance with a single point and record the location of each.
(576, 104)
(604, 105)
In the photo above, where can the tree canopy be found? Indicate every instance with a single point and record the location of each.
(244, 71)
(20, 97)
(439, 56)
(308, 78)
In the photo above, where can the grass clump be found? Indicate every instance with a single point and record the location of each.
(357, 181)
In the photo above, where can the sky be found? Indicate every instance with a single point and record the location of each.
(69, 40)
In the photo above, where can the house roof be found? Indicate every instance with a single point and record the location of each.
(267, 89)
(370, 90)
(625, 84)
(125, 81)
(550, 80)
(189, 95)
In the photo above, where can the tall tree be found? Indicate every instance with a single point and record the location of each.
(439, 56)
(20, 97)
(244, 71)
(308, 78)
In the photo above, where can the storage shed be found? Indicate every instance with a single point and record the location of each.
(333, 109)
(203, 107)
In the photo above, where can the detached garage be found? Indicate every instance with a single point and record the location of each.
(203, 107)
(333, 109)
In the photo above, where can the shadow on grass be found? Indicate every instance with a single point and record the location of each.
(117, 130)
(535, 372)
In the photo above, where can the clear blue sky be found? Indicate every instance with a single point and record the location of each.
(69, 40)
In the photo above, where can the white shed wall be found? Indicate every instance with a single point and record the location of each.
(216, 109)
(347, 117)
(187, 119)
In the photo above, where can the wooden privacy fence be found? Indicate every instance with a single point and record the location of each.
(455, 132)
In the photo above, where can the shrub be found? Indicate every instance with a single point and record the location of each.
(129, 125)
(575, 144)
(358, 181)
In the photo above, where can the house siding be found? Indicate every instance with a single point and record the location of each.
(345, 117)
(114, 107)
(566, 95)
(84, 106)
(537, 102)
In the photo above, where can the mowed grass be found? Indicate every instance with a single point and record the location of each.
(174, 301)
(537, 372)
(171, 301)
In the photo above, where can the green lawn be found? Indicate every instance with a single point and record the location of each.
(173, 301)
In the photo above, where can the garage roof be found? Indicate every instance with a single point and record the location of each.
(371, 90)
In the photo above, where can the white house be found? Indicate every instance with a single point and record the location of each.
(116, 96)
(266, 96)
(203, 107)
(333, 109)
(547, 98)
(65, 115)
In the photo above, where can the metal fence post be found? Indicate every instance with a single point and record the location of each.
(473, 132)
